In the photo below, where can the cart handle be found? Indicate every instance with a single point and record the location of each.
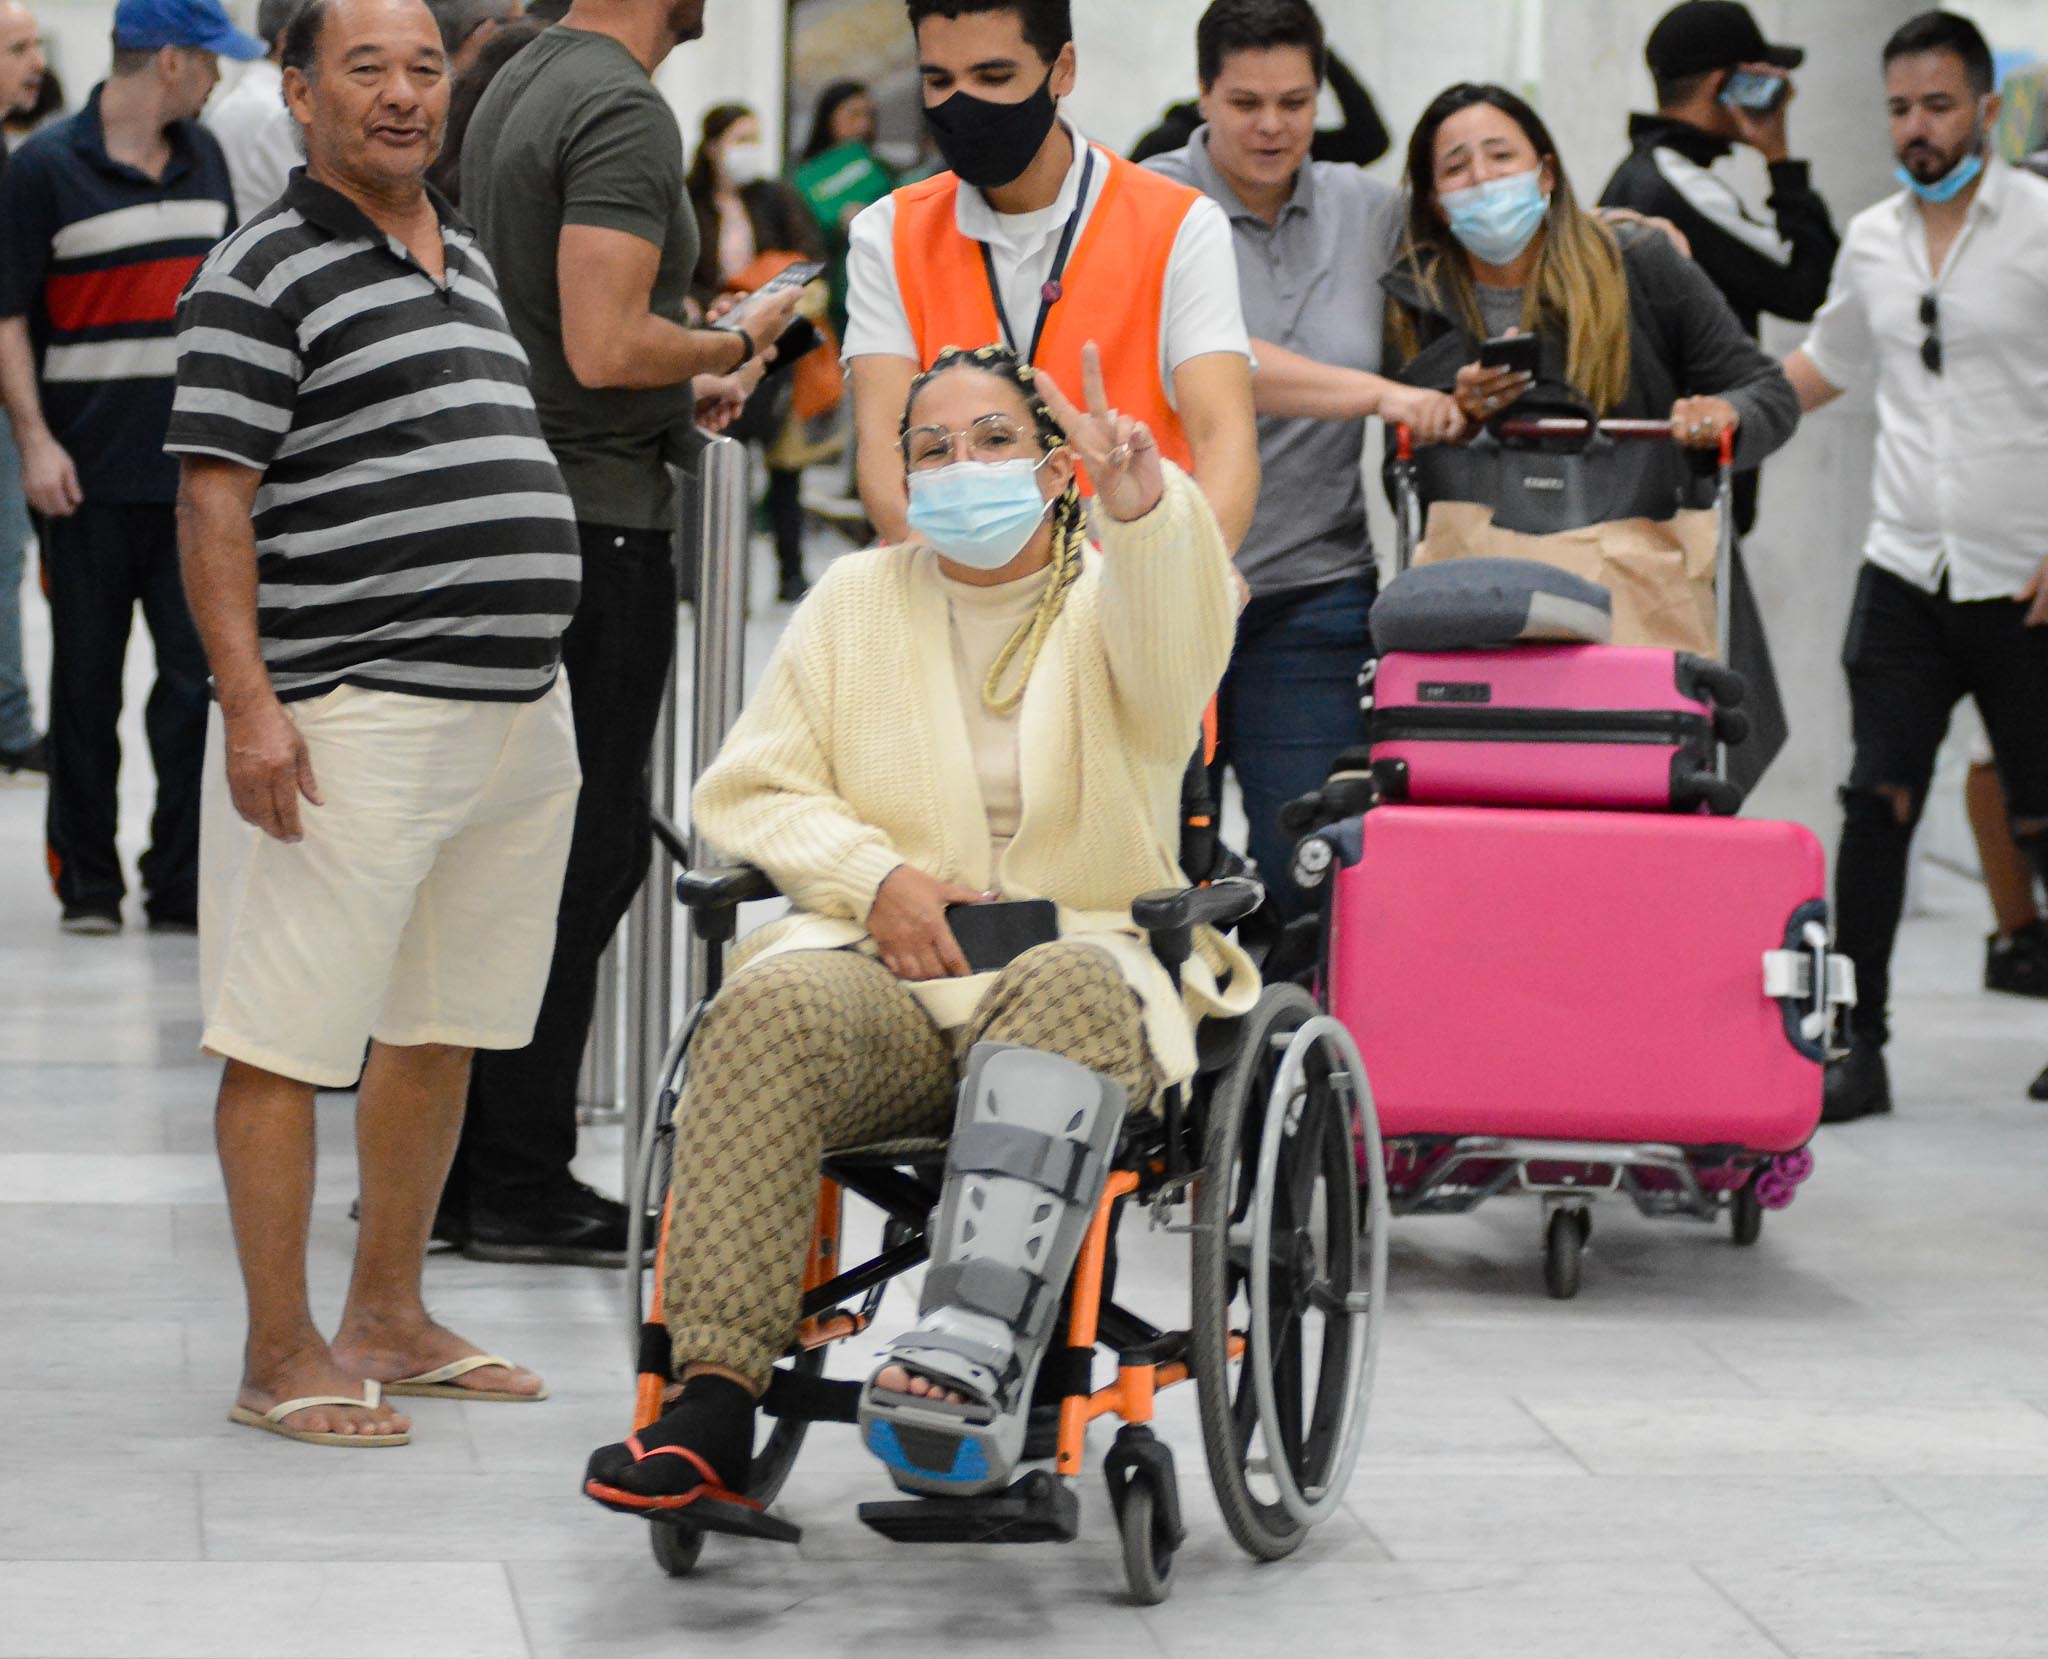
(1560, 426)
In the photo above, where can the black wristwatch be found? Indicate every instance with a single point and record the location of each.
(745, 339)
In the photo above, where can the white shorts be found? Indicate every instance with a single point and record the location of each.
(419, 907)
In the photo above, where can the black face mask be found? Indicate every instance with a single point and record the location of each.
(988, 144)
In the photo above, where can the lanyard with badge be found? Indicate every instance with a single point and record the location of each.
(1049, 294)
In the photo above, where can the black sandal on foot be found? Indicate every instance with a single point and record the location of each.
(690, 1473)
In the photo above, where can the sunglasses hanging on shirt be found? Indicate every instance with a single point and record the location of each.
(1930, 348)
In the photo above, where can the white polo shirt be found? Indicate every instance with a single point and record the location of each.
(1961, 487)
(258, 136)
(1201, 313)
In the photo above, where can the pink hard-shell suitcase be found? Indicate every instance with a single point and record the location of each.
(1583, 976)
(1603, 726)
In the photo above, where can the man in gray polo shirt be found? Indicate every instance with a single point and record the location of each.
(1312, 239)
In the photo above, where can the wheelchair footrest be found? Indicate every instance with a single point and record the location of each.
(735, 1520)
(1039, 1509)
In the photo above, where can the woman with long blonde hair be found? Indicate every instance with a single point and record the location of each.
(1497, 243)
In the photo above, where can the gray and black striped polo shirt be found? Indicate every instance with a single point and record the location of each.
(412, 531)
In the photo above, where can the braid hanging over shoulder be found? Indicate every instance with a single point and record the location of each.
(1069, 523)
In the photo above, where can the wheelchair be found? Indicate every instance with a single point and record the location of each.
(1270, 1163)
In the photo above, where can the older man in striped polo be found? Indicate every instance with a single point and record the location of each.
(381, 557)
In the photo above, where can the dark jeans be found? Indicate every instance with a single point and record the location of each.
(100, 563)
(1289, 707)
(785, 503)
(1911, 657)
(520, 1131)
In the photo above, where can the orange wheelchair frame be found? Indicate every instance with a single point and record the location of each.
(1262, 1149)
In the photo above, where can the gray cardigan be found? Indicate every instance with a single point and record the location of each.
(1684, 341)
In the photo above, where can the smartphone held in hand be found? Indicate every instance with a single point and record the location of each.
(991, 936)
(1759, 94)
(1520, 352)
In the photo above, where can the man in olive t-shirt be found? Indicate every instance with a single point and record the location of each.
(573, 131)
(574, 162)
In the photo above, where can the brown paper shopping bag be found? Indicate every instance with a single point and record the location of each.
(1661, 574)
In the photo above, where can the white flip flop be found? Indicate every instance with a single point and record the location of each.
(440, 1383)
(273, 1420)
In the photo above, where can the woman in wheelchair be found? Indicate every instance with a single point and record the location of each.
(991, 712)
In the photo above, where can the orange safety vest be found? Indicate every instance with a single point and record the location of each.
(1112, 292)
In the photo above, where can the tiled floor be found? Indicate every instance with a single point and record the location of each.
(1833, 1446)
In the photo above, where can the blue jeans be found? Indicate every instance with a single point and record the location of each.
(17, 723)
(1289, 707)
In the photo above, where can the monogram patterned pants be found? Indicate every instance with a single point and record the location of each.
(817, 1051)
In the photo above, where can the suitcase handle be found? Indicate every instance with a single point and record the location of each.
(1809, 982)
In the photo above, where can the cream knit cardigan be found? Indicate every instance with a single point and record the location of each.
(853, 757)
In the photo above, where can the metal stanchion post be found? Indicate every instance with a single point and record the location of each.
(721, 657)
(651, 979)
(713, 524)
(601, 1053)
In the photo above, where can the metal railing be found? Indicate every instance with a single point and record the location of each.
(637, 1005)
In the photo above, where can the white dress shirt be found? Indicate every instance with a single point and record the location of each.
(258, 136)
(1961, 488)
(1201, 313)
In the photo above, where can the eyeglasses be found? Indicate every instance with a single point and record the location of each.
(1930, 348)
(991, 439)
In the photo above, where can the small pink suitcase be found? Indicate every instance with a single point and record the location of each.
(1585, 976)
(1554, 726)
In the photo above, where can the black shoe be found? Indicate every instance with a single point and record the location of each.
(2038, 1089)
(2018, 965)
(34, 759)
(173, 921)
(448, 1230)
(91, 921)
(1857, 1085)
(576, 1226)
(791, 588)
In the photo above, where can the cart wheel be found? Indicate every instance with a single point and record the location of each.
(676, 1548)
(1148, 1552)
(1745, 1214)
(1563, 1241)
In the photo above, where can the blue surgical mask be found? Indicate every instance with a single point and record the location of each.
(978, 513)
(1496, 220)
(1950, 185)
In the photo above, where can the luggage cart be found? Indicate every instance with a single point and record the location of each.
(1433, 1172)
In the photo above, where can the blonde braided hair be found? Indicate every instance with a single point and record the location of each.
(1069, 523)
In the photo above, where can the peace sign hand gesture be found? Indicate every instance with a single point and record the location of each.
(1120, 453)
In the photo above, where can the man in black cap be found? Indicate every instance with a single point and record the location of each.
(1720, 83)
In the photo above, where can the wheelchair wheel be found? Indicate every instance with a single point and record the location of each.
(676, 1548)
(1284, 1260)
(775, 1450)
(649, 1194)
(1148, 1550)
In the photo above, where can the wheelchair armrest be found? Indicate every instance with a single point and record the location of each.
(720, 887)
(1174, 909)
(713, 897)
